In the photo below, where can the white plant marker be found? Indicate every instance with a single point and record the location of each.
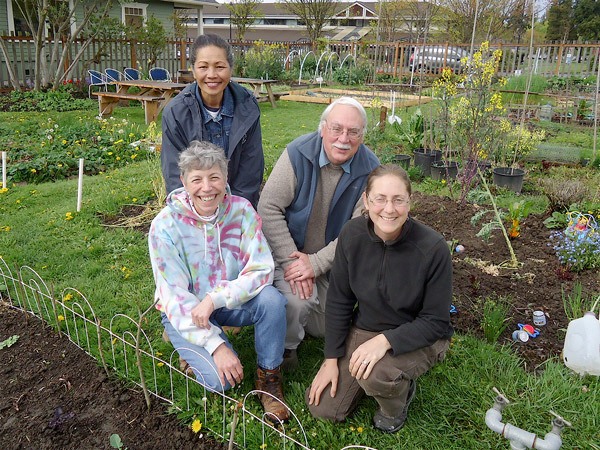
(4, 170)
(80, 185)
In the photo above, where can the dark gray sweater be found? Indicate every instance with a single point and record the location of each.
(402, 288)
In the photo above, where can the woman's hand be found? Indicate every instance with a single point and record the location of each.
(366, 355)
(228, 365)
(202, 312)
(328, 373)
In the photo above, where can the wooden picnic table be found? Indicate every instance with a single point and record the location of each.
(154, 95)
(256, 84)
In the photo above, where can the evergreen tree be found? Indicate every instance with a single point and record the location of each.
(560, 21)
(586, 19)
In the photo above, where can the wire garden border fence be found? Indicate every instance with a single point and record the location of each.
(123, 347)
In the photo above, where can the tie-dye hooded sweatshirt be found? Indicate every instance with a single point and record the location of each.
(229, 259)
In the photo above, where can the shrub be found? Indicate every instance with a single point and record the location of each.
(352, 75)
(58, 100)
(562, 194)
(263, 61)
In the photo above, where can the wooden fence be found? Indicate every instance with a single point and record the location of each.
(548, 60)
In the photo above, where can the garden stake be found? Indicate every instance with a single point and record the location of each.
(80, 185)
(4, 170)
(138, 353)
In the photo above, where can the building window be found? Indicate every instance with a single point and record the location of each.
(134, 14)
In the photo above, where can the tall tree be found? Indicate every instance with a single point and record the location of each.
(243, 15)
(418, 17)
(492, 17)
(152, 36)
(586, 19)
(315, 14)
(53, 26)
(560, 21)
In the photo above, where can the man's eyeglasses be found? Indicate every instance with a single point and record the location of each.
(397, 202)
(337, 130)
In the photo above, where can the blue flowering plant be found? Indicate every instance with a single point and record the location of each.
(578, 246)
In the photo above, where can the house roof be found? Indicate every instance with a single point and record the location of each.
(191, 3)
(277, 9)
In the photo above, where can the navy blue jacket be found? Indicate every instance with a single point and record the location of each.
(182, 124)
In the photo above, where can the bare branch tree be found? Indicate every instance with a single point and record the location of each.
(243, 15)
(315, 14)
(59, 16)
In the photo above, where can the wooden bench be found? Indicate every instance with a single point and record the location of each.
(108, 100)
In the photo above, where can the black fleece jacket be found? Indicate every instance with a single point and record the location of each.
(402, 288)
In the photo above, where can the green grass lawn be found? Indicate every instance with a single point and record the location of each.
(110, 266)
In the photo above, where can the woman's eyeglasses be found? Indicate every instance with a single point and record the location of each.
(397, 202)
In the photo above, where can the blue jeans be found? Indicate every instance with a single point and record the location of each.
(266, 312)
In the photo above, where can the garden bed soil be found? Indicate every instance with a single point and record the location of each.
(43, 372)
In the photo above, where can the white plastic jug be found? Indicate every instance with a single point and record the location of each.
(582, 345)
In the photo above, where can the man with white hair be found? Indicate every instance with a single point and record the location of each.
(313, 190)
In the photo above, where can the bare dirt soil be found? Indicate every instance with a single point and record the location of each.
(54, 396)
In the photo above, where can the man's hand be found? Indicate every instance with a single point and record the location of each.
(228, 365)
(300, 274)
(202, 312)
(366, 355)
(328, 373)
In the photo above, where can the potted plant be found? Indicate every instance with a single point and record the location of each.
(413, 136)
(517, 144)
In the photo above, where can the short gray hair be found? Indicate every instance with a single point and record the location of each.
(345, 101)
(202, 155)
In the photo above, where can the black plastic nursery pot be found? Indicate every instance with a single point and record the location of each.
(444, 170)
(424, 158)
(509, 178)
(402, 160)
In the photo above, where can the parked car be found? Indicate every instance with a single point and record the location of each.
(434, 58)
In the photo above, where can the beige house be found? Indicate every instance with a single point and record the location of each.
(351, 21)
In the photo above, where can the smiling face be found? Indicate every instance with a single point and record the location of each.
(206, 188)
(388, 203)
(337, 132)
(212, 72)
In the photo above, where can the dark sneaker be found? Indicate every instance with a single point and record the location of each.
(393, 424)
(290, 360)
(271, 381)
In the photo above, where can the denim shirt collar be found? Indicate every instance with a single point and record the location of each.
(323, 160)
(226, 107)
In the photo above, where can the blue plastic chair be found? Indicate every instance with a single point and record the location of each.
(132, 74)
(113, 75)
(160, 74)
(97, 79)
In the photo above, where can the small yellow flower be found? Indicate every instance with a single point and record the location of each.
(160, 364)
(5, 228)
(110, 153)
(68, 297)
(3, 190)
(158, 354)
(360, 429)
(263, 446)
(196, 425)
(69, 216)
(134, 199)
(33, 171)
(61, 318)
(134, 156)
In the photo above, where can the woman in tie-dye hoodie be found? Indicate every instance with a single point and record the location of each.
(213, 268)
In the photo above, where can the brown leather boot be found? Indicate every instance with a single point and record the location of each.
(271, 381)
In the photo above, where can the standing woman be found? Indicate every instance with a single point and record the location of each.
(215, 109)
(387, 319)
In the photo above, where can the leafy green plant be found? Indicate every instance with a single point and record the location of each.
(413, 132)
(556, 220)
(517, 211)
(116, 442)
(350, 75)
(495, 319)
(8, 342)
